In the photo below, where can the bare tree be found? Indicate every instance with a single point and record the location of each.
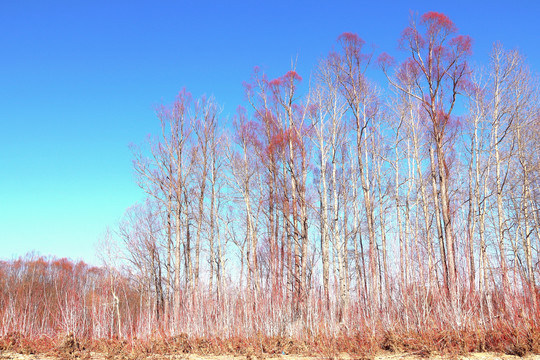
(435, 74)
(363, 105)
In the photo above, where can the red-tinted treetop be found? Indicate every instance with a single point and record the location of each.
(436, 70)
(385, 60)
(350, 39)
(437, 22)
(352, 46)
(289, 78)
(462, 44)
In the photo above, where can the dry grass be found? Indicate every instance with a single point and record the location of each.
(428, 344)
(6, 355)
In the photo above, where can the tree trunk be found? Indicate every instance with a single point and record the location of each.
(438, 220)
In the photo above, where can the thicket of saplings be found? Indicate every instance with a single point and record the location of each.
(341, 218)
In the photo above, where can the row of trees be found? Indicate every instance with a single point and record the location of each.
(350, 196)
(46, 296)
(355, 206)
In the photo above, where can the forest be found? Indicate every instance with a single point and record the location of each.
(389, 202)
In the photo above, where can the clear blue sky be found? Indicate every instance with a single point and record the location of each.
(79, 81)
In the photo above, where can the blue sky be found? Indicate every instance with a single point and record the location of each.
(79, 81)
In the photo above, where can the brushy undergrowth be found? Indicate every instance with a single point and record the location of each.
(501, 339)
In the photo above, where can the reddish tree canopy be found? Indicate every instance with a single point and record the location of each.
(436, 23)
(436, 70)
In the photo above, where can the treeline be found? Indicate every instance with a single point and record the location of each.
(48, 296)
(412, 202)
(408, 206)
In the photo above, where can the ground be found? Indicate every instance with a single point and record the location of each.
(5, 355)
